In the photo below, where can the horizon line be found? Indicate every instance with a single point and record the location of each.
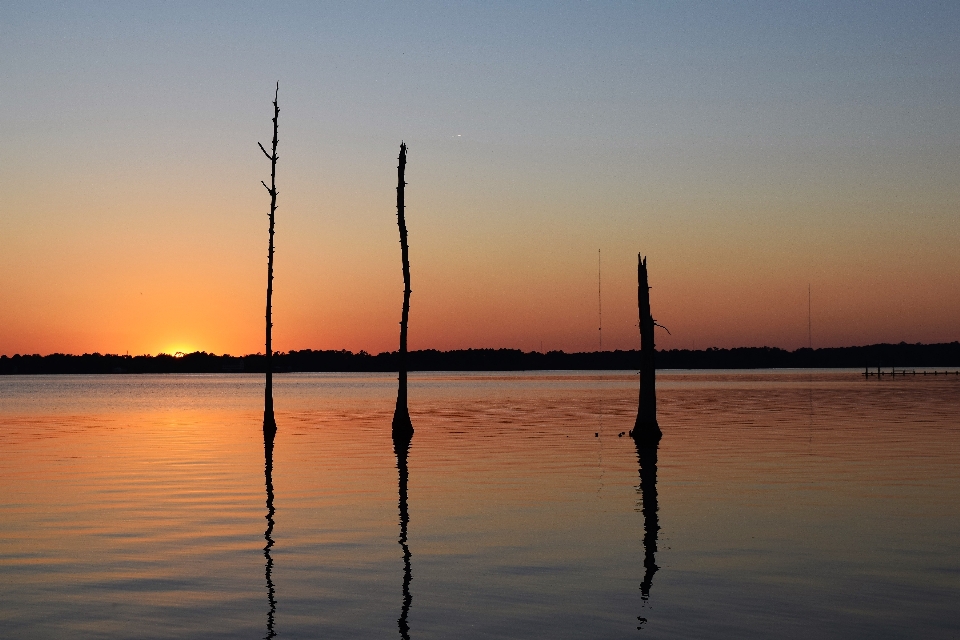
(364, 353)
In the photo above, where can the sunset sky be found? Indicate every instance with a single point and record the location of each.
(747, 148)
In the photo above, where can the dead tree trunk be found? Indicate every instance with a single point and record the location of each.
(269, 424)
(646, 430)
(401, 416)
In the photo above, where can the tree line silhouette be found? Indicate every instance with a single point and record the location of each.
(309, 360)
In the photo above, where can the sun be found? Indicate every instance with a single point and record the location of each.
(179, 349)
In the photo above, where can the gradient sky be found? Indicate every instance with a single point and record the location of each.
(747, 148)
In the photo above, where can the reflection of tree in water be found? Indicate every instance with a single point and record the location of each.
(268, 434)
(647, 456)
(401, 445)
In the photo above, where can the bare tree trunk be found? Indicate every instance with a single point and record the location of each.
(646, 430)
(268, 420)
(401, 416)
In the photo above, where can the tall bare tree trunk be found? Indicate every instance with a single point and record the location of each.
(646, 430)
(401, 416)
(269, 423)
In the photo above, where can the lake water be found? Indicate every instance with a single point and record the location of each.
(789, 504)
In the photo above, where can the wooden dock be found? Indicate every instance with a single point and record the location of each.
(879, 373)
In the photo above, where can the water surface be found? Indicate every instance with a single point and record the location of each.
(779, 503)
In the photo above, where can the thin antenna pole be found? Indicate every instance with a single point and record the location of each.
(809, 319)
(599, 302)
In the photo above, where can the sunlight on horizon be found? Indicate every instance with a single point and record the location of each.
(178, 350)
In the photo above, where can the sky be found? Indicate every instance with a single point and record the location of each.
(753, 151)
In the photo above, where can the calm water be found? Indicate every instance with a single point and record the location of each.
(779, 504)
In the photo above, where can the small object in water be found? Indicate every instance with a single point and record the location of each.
(620, 435)
(596, 435)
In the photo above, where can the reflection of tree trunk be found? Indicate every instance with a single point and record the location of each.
(401, 415)
(646, 429)
(401, 445)
(651, 525)
(268, 435)
(268, 420)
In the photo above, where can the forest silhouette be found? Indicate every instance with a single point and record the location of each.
(306, 360)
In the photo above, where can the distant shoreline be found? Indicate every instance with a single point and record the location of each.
(882, 355)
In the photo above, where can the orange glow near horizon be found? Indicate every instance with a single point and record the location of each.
(723, 282)
(528, 292)
(505, 271)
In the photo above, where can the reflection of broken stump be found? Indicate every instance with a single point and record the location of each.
(401, 416)
(647, 455)
(646, 430)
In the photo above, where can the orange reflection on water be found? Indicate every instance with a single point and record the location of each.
(137, 505)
